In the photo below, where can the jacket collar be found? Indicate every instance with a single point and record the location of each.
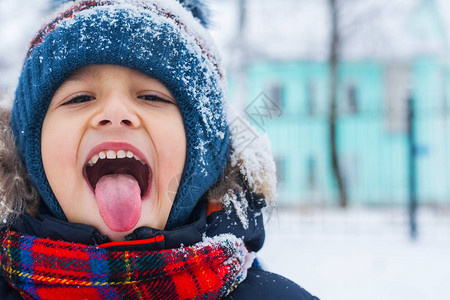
(146, 238)
(47, 226)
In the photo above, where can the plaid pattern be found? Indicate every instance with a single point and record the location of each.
(46, 269)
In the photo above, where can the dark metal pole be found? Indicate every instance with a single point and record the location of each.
(412, 169)
(333, 113)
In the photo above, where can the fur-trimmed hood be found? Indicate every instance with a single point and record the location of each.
(17, 194)
(248, 170)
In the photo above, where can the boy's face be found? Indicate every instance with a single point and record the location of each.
(133, 120)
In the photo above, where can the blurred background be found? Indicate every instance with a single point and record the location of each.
(355, 98)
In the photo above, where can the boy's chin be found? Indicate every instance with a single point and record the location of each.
(116, 236)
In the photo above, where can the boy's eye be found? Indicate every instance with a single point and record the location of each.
(152, 97)
(79, 99)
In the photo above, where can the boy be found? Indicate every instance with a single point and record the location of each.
(117, 101)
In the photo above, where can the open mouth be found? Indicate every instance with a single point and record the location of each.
(112, 162)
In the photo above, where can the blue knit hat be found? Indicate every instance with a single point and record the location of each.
(161, 38)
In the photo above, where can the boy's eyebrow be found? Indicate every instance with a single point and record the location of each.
(79, 75)
(82, 75)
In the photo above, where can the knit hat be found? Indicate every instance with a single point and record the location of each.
(161, 38)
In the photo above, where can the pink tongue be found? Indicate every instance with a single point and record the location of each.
(119, 201)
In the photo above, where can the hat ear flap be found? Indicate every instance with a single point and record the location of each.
(198, 9)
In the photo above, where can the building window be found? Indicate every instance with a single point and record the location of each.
(311, 173)
(311, 98)
(352, 99)
(397, 93)
(276, 94)
(280, 166)
(350, 170)
(444, 91)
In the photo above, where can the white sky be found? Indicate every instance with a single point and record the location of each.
(299, 29)
(282, 29)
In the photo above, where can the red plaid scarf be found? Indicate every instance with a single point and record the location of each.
(46, 269)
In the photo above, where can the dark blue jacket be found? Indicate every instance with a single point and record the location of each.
(259, 284)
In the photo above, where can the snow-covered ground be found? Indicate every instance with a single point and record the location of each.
(361, 254)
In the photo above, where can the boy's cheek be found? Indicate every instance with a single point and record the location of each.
(59, 154)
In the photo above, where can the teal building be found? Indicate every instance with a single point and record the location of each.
(373, 94)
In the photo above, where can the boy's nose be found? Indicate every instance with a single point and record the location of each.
(116, 111)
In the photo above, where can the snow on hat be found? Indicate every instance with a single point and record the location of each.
(161, 38)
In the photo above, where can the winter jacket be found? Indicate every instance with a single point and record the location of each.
(259, 284)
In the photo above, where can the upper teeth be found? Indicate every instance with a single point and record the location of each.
(111, 154)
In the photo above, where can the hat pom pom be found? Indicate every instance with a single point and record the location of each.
(198, 9)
